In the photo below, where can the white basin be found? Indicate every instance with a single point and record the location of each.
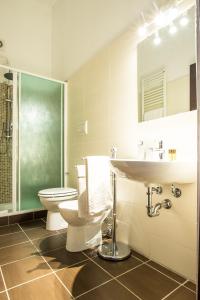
(160, 172)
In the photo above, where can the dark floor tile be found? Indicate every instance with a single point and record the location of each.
(82, 277)
(32, 224)
(111, 290)
(169, 273)
(61, 258)
(24, 270)
(20, 218)
(147, 283)
(16, 252)
(191, 285)
(48, 287)
(3, 221)
(50, 243)
(12, 239)
(40, 214)
(2, 287)
(138, 255)
(39, 232)
(3, 296)
(117, 267)
(182, 294)
(9, 229)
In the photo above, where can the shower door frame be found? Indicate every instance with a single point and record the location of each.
(15, 135)
(198, 141)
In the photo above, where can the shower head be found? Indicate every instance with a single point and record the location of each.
(9, 75)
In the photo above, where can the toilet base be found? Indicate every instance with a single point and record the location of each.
(55, 221)
(80, 238)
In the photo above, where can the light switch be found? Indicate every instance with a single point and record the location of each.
(82, 127)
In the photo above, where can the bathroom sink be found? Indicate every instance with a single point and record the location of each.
(160, 172)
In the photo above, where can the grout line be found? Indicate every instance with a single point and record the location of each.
(1, 235)
(42, 237)
(4, 284)
(72, 265)
(130, 270)
(115, 277)
(165, 297)
(14, 261)
(94, 288)
(98, 265)
(164, 274)
(188, 287)
(29, 256)
(139, 258)
(8, 225)
(40, 254)
(29, 281)
(27, 241)
(128, 289)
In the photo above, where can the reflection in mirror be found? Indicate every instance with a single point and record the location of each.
(167, 70)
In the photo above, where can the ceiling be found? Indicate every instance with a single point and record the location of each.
(82, 27)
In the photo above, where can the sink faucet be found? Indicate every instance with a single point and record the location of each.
(160, 150)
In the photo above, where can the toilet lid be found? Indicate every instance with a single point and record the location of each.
(58, 192)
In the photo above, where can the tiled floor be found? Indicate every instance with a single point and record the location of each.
(35, 265)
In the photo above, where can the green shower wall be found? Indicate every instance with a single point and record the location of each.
(40, 138)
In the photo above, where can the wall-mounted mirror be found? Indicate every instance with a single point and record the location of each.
(167, 70)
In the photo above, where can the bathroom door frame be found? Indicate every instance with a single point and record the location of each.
(198, 141)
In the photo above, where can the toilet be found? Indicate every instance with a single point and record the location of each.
(50, 199)
(83, 232)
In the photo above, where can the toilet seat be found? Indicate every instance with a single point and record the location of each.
(50, 199)
(57, 192)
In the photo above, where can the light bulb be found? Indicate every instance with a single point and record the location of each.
(142, 30)
(172, 13)
(172, 29)
(160, 19)
(157, 39)
(184, 20)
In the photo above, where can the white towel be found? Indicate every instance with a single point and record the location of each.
(97, 196)
(81, 177)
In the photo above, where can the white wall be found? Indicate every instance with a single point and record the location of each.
(25, 28)
(104, 92)
(87, 26)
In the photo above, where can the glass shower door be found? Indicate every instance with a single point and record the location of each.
(40, 138)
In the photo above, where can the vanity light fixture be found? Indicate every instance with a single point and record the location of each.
(160, 19)
(143, 30)
(184, 20)
(157, 39)
(172, 28)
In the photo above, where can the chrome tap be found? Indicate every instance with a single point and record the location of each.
(113, 152)
(160, 150)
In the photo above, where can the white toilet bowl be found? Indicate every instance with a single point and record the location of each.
(50, 199)
(82, 233)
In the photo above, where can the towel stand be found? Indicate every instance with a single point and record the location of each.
(114, 250)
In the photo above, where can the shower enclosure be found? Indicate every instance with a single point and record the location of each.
(31, 138)
(6, 120)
